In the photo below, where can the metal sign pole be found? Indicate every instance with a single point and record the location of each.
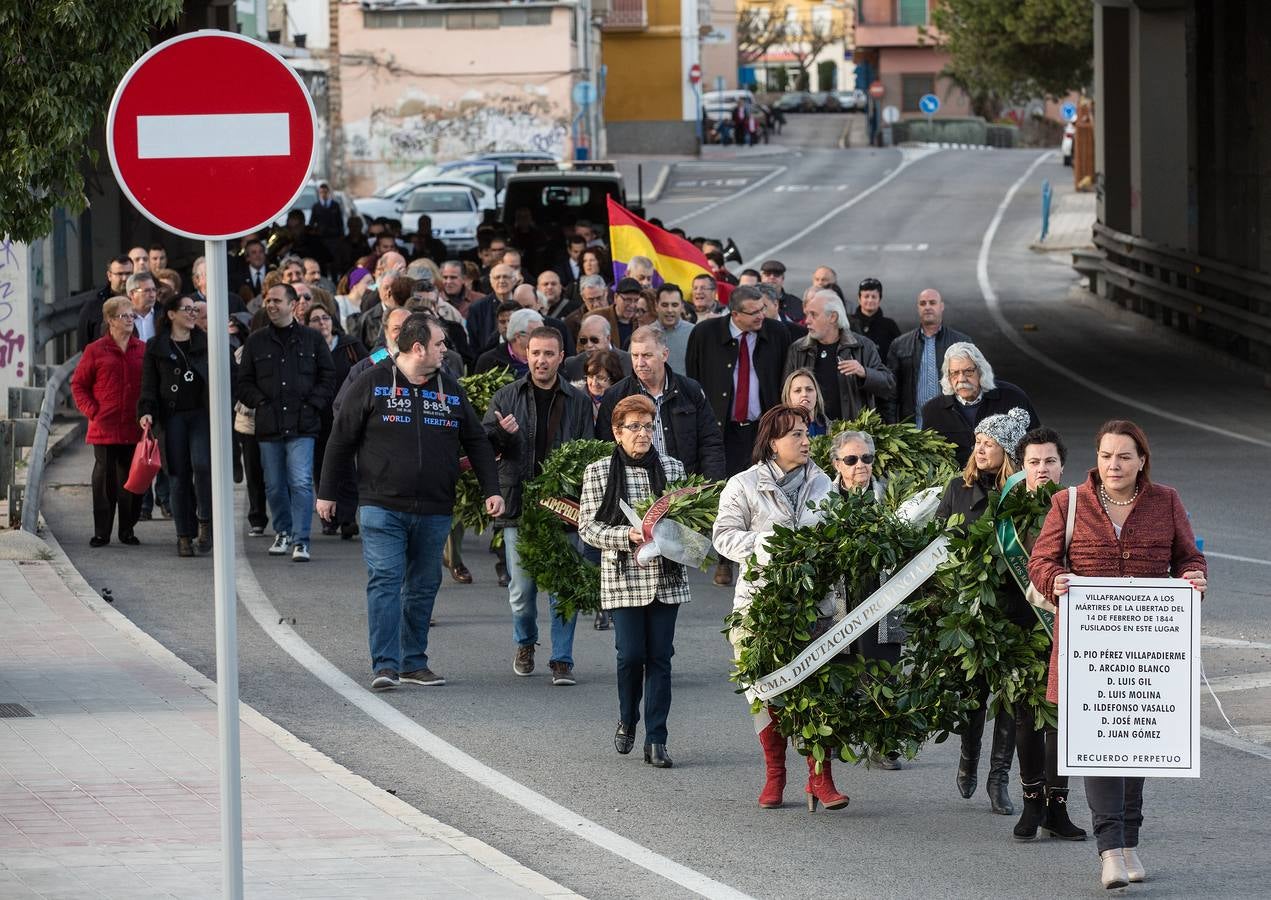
(223, 570)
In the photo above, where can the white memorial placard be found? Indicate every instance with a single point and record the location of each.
(1129, 678)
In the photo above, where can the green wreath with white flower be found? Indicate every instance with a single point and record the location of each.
(956, 629)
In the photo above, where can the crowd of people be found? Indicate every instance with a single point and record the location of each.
(347, 352)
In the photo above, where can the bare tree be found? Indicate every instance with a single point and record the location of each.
(806, 36)
(759, 29)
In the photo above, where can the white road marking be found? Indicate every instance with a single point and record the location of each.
(1210, 641)
(1235, 743)
(722, 200)
(1250, 682)
(881, 248)
(1244, 559)
(906, 160)
(994, 308)
(805, 188)
(258, 605)
(213, 136)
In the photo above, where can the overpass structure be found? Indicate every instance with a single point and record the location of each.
(1183, 166)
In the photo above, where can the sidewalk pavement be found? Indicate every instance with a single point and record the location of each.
(109, 788)
(1072, 218)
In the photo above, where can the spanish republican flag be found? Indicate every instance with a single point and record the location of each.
(674, 259)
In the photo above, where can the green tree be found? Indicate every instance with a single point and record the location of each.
(61, 61)
(1016, 49)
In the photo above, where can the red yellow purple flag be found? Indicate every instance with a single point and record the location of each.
(674, 259)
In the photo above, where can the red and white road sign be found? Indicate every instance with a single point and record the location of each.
(876, 90)
(211, 135)
(694, 73)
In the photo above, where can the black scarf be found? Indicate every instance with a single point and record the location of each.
(610, 513)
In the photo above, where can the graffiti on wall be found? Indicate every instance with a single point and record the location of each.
(419, 129)
(13, 313)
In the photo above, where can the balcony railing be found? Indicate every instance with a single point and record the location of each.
(627, 15)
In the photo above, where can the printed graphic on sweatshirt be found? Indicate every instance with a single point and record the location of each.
(401, 404)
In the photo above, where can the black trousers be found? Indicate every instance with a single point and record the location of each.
(1116, 808)
(739, 444)
(111, 463)
(644, 637)
(187, 456)
(254, 475)
(1038, 750)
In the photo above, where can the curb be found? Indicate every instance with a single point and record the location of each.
(660, 185)
(493, 859)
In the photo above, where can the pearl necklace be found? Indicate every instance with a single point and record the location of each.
(1103, 495)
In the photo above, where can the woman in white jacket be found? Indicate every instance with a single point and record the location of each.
(779, 489)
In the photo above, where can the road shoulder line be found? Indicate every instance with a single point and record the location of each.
(253, 597)
(999, 318)
(323, 765)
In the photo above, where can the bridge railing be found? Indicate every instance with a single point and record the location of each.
(1217, 302)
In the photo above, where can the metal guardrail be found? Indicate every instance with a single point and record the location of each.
(59, 381)
(1217, 302)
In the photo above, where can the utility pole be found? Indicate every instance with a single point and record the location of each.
(335, 101)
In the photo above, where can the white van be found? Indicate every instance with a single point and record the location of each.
(720, 104)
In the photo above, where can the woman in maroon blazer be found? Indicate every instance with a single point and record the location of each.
(1125, 526)
(106, 385)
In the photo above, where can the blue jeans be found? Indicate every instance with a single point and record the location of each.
(403, 567)
(644, 637)
(523, 597)
(187, 455)
(288, 466)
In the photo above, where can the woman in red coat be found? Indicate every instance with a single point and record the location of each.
(1125, 526)
(107, 384)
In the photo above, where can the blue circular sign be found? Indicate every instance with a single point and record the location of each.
(584, 93)
(929, 104)
(1070, 111)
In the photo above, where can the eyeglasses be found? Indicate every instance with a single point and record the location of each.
(187, 309)
(867, 458)
(124, 317)
(589, 340)
(321, 318)
(749, 312)
(637, 427)
(963, 373)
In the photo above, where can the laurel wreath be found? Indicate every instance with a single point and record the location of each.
(469, 508)
(546, 551)
(851, 706)
(966, 609)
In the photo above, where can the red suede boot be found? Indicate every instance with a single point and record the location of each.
(821, 788)
(774, 757)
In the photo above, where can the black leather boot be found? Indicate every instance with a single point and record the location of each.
(969, 763)
(1056, 821)
(998, 782)
(1034, 811)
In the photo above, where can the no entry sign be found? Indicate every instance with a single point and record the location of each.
(211, 135)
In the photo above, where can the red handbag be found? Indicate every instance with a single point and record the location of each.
(145, 464)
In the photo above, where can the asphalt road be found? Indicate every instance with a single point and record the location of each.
(907, 833)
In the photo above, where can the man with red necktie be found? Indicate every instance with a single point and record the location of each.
(738, 360)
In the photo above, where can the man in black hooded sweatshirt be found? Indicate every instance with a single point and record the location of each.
(408, 424)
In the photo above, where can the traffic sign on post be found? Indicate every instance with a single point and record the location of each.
(694, 74)
(211, 136)
(584, 93)
(876, 90)
(1069, 110)
(929, 104)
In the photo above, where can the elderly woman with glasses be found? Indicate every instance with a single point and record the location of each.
(106, 385)
(644, 600)
(174, 400)
(346, 352)
(782, 487)
(852, 456)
